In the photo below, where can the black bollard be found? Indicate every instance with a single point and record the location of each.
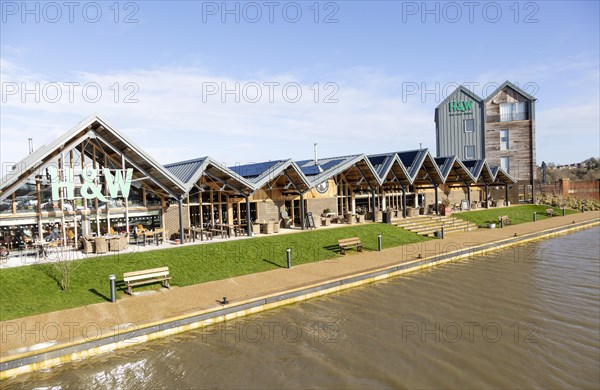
(289, 257)
(113, 288)
(534, 216)
(442, 232)
(564, 212)
(379, 243)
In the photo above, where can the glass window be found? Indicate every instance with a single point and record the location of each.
(505, 164)
(504, 139)
(469, 152)
(469, 125)
(512, 111)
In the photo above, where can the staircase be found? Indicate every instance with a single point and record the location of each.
(426, 225)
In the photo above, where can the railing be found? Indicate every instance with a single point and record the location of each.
(513, 116)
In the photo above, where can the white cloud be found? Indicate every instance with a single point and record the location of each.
(174, 120)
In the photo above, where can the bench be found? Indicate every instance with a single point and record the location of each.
(347, 243)
(550, 212)
(146, 276)
(504, 220)
(214, 232)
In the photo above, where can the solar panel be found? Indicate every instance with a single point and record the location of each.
(253, 170)
(408, 158)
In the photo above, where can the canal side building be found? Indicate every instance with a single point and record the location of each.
(93, 180)
(499, 129)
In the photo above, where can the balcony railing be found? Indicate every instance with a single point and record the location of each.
(513, 116)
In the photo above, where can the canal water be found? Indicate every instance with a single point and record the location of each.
(525, 317)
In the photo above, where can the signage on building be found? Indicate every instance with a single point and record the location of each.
(323, 187)
(460, 107)
(119, 180)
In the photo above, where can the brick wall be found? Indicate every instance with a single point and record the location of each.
(268, 209)
(580, 189)
(317, 205)
(172, 219)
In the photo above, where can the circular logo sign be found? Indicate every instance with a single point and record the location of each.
(322, 187)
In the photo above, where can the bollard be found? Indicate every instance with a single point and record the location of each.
(113, 288)
(501, 223)
(564, 212)
(442, 232)
(379, 244)
(534, 216)
(289, 257)
(582, 208)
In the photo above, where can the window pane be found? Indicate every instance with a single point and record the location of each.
(504, 139)
(469, 125)
(504, 164)
(469, 152)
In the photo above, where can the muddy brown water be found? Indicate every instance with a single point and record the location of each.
(524, 317)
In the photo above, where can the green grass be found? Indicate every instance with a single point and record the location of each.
(34, 289)
(517, 214)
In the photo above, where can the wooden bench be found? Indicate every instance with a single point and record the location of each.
(550, 213)
(504, 220)
(222, 232)
(146, 276)
(347, 243)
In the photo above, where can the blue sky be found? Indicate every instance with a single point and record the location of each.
(162, 69)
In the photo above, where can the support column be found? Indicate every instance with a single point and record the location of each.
(506, 194)
(212, 207)
(486, 197)
(229, 210)
(469, 196)
(436, 200)
(38, 208)
(403, 202)
(302, 211)
(181, 233)
(248, 220)
(374, 206)
(201, 209)
(353, 197)
(383, 200)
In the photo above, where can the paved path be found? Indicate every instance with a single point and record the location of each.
(26, 334)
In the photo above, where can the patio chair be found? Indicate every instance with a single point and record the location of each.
(120, 243)
(101, 245)
(88, 245)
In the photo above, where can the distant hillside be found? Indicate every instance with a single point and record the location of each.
(586, 170)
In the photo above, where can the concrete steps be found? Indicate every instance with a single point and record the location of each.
(427, 225)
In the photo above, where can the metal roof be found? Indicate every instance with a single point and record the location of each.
(209, 169)
(112, 142)
(356, 168)
(185, 170)
(464, 90)
(265, 173)
(514, 87)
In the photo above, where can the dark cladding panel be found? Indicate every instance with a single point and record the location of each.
(451, 120)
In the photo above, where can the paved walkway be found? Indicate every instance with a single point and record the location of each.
(22, 335)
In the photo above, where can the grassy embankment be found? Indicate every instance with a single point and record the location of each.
(517, 214)
(34, 289)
